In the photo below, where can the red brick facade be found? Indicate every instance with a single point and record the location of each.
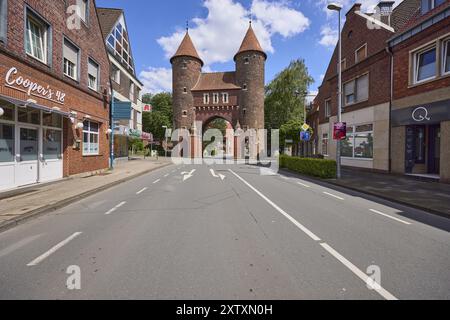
(87, 103)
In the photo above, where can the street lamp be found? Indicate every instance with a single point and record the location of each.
(337, 7)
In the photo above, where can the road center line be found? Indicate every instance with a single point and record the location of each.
(390, 217)
(155, 182)
(284, 213)
(115, 208)
(165, 176)
(384, 293)
(41, 258)
(334, 196)
(139, 192)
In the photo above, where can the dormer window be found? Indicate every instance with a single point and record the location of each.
(428, 5)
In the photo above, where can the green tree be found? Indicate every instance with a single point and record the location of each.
(161, 102)
(154, 121)
(281, 103)
(291, 131)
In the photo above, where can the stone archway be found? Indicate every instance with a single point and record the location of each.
(227, 145)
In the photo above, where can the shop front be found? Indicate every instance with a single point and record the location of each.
(421, 140)
(31, 142)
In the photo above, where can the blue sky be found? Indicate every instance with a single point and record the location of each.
(287, 30)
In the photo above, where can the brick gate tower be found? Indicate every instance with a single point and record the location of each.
(236, 96)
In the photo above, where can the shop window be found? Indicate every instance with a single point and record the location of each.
(91, 138)
(325, 144)
(9, 112)
(51, 144)
(71, 53)
(425, 65)
(446, 57)
(52, 120)
(28, 144)
(93, 75)
(358, 143)
(36, 39)
(6, 143)
(29, 115)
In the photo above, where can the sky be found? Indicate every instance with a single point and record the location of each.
(286, 29)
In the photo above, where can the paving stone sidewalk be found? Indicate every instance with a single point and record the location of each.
(426, 195)
(22, 204)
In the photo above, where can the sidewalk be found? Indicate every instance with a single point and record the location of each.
(22, 204)
(425, 195)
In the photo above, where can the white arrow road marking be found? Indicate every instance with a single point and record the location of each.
(221, 176)
(188, 175)
(41, 258)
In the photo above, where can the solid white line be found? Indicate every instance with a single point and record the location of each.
(139, 192)
(381, 291)
(115, 208)
(41, 258)
(165, 176)
(390, 217)
(284, 213)
(334, 196)
(157, 181)
(304, 185)
(384, 293)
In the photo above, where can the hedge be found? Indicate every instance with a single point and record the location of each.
(325, 169)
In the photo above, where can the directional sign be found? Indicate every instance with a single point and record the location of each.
(122, 111)
(305, 127)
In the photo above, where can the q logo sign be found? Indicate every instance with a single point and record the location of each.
(421, 114)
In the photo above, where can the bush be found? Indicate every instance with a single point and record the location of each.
(325, 169)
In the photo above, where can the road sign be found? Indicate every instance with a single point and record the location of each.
(305, 127)
(305, 136)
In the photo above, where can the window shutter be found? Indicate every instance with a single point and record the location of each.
(70, 52)
(93, 69)
(362, 88)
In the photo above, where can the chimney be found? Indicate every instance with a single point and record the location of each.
(383, 11)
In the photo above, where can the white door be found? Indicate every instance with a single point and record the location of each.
(51, 164)
(27, 156)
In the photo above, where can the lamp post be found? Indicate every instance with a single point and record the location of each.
(165, 149)
(337, 7)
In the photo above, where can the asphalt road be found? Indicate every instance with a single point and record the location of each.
(229, 233)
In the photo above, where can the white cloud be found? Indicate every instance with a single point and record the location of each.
(156, 80)
(217, 37)
(329, 36)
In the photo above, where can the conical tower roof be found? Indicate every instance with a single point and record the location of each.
(187, 49)
(250, 43)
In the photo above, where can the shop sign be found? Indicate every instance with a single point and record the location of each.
(32, 88)
(431, 113)
(122, 111)
(340, 131)
(147, 108)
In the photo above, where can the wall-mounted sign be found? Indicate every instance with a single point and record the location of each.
(147, 108)
(122, 111)
(431, 113)
(32, 88)
(340, 131)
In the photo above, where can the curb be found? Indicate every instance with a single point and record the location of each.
(403, 203)
(9, 224)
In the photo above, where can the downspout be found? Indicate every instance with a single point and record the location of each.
(391, 98)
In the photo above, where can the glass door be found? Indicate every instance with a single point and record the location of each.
(27, 157)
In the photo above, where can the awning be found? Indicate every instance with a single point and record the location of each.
(18, 102)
